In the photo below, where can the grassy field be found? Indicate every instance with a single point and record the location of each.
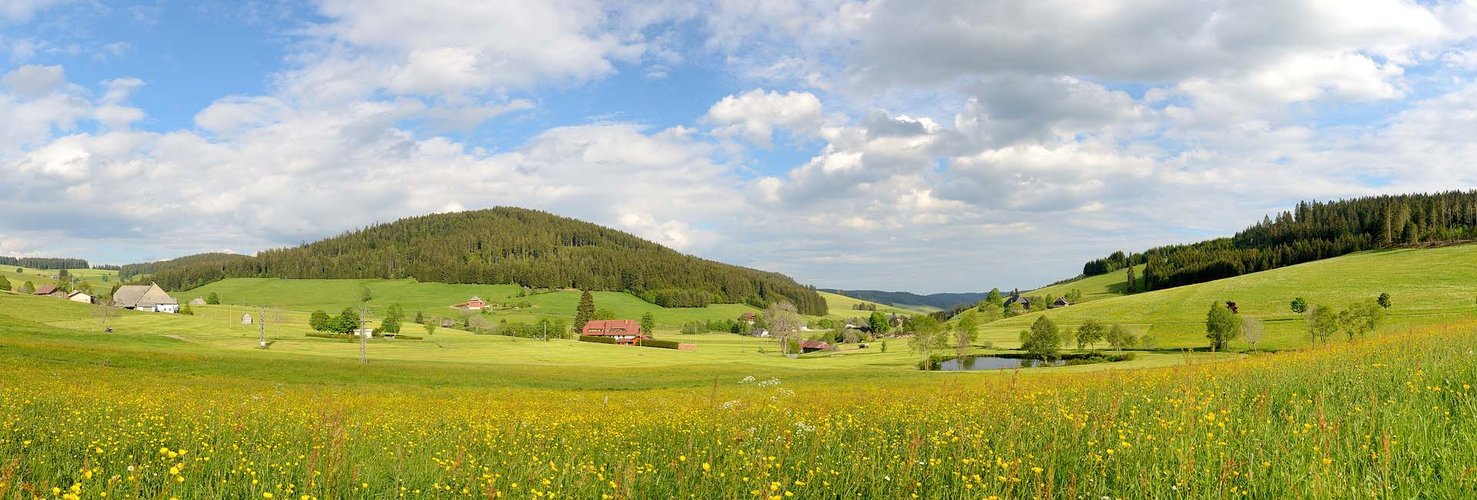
(155, 416)
(39, 277)
(1428, 286)
(436, 299)
(219, 328)
(1098, 287)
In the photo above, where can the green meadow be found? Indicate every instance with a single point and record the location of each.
(510, 302)
(1428, 286)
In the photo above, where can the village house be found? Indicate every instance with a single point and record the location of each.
(624, 331)
(473, 304)
(82, 297)
(50, 291)
(1025, 302)
(1061, 303)
(145, 298)
(814, 345)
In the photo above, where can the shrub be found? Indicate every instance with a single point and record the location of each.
(597, 340)
(660, 344)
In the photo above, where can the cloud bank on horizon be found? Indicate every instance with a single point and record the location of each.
(926, 145)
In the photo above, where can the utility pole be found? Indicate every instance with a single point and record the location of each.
(261, 327)
(363, 339)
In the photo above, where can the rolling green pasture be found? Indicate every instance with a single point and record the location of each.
(219, 329)
(1428, 286)
(40, 277)
(1103, 286)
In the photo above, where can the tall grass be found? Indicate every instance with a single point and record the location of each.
(1391, 416)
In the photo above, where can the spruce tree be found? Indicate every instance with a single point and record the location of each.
(585, 311)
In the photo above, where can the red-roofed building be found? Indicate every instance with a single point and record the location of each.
(624, 331)
(473, 304)
(50, 291)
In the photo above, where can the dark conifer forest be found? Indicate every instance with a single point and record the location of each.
(1312, 231)
(44, 262)
(503, 245)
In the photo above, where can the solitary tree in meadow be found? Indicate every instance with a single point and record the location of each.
(1119, 338)
(1221, 326)
(784, 324)
(430, 326)
(392, 320)
(28, 287)
(966, 332)
(1043, 340)
(4, 284)
(585, 311)
(365, 295)
(1360, 319)
(928, 335)
(1299, 305)
(1089, 333)
(213, 299)
(1252, 330)
(1383, 300)
(1322, 323)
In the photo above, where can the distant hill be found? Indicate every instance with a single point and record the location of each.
(943, 301)
(506, 245)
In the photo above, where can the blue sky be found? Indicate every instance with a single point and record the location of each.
(925, 146)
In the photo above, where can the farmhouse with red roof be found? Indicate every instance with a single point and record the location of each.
(624, 331)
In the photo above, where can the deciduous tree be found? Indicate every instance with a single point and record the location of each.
(1090, 332)
(1043, 340)
(1221, 326)
(928, 335)
(1252, 330)
(966, 332)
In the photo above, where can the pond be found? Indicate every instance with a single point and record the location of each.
(994, 363)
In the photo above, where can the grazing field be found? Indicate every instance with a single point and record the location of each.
(39, 277)
(1102, 286)
(1428, 286)
(151, 416)
(436, 299)
(219, 328)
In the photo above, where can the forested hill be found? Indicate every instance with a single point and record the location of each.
(511, 245)
(197, 261)
(1312, 231)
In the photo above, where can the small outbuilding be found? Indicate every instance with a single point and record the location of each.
(82, 297)
(246, 319)
(197, 301)
(49, 291)
(815, 345)
(1061, 303)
